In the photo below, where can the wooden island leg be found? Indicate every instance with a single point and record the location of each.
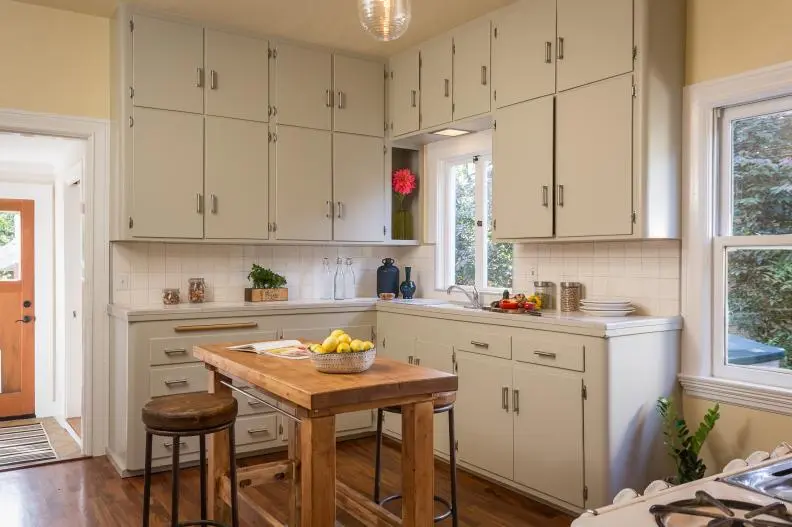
(418, 465)
(218, 454)
(318, 471)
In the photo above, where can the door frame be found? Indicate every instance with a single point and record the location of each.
(96, 250)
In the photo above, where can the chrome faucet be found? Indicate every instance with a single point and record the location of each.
(473, 298)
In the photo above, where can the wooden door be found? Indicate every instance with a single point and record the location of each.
(594, 144)
(548, 432)
(522, 157)
(404, 92)
(484, 426)
(437, 356)
(17, 308)
(472, 72)
(358, 188)
(167, 181)
(436, 81)
(303, 184)
(523, 52)
(167, 65)
(595, 41)
(237, 70)
(303, 91)
(359, 97)
(237, 179)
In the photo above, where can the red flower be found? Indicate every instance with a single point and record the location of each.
(403, 181)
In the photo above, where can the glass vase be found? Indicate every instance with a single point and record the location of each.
(402, 225)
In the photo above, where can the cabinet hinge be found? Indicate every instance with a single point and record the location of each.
(453, 47)
(131, 92)
(272, 137)
(453, 107)
(634, 216)
(386, 73)
(384, 230)
(272, 53)
(494, 95)
(635, 52)
(269, 227)
(274, 227)
(384, 150)
(585, 492)
(584, 392)
(456, 445)
(495, 32)
(131, 222)
(131, 25)
(131, 121)
(634, 90)
(494, 125)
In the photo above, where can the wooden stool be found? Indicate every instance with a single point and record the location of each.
(185, 415)
(443, 403)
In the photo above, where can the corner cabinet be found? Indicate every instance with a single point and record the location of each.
(404, 92)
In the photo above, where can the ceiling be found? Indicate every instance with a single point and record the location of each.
(331, 23)
(36, 152)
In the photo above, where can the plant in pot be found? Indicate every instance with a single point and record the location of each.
(684, 447)
(268, 286)
(404, 183)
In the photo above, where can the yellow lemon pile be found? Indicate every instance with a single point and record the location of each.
(340, 342)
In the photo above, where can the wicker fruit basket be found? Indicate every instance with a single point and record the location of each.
(354, 362)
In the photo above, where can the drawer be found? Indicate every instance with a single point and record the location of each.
(176, 350)
(354, 421)
(162, 446)
(561, 351)
(248, 406)
(467, 337)
(256, 429)
(168, 380)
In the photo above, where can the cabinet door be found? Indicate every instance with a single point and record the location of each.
(303, 184)
(237, 179)
(167, 65)
(360, 96)
(548, 432)
(472, 69)
(484, 423)
(437, 356)
(522, 147)
(399, 347)
(436, 77)
(403, 93)
(595, 40)
(167, 178)
(523, 61)
(358, 190)
(238, 76)
(303, 87)
(594, 159)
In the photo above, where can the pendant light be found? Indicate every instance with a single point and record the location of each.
(384, 19)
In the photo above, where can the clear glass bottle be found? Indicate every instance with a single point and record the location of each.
(349, 280)
(327, 280)
(339, 280)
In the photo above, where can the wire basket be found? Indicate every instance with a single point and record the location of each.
(353, 362)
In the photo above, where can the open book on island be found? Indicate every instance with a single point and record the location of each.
(285, 349)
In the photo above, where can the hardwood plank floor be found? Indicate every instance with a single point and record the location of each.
(76, 425)
(89, 493)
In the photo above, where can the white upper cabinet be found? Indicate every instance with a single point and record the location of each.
(523, 58)
(472, 73)
(595, 40)
(523, 170)
(404, 92)
(303, 91)
(303, 184)
(167, 186)
(237, 76)
(167, 65)
(436, 81)
(594, 178)
(237, 179)
(358, 189)
(359, 96)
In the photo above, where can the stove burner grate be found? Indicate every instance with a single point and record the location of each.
(725, 517)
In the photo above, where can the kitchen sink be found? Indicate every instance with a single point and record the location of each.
(773, 480)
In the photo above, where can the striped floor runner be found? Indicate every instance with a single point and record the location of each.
(24, 444)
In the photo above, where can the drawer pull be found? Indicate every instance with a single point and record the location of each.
(545, 354)
(255, 403)
(216, 327)
(170, 445)
(479, 344)
(175, 351)
(254, 431)
(175, 382)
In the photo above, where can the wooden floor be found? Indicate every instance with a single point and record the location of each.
(89, 493)
(76, 425)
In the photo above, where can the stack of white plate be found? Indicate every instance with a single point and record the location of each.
(606, 307)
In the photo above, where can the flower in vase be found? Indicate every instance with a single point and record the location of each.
(403, 183)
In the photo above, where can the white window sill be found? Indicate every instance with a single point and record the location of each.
(755, 396)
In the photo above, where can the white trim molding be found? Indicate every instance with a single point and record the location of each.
(767, 398)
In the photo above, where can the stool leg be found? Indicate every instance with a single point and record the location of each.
(232, 476)
(202, 440)
(147, 482)
(378, 457)
(175, 483)
(453, 456)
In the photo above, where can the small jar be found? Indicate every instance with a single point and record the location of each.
(197, 290)
(570, 296)
(170, 296)
(545, 291)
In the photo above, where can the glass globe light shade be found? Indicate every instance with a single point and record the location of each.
(384, 19)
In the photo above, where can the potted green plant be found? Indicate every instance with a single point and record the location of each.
(684, 447)
(268, 286)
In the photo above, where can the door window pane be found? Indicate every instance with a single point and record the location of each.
(464, 175)
(10, 246)
(499, 255)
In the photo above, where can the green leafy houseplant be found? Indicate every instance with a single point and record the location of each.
(263, 278)
(683, 447)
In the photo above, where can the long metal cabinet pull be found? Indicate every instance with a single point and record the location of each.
(505, 398)
(200, 80)
(545, 196)
(199, 203)
(329, 98)
(413, 98)
(560, 48)
(516, 401)
(176, 382)
(479, 344)
(447, 88)
(175, 351)
(213, 199)
(212, 80)
(560, 195)
(341, 101)
(545, 354)
(548, 52)
(484, 75)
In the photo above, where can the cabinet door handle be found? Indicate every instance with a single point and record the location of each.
(505, 398)
(560, 195)
(545, 354)
(483, 75)
(175, 351)
(329, 212)
(199, 203)
(255, 404)
(199, 82)
(560, 50)
(212, 80)
(516, 401)
(329, 98)
(215, 327)
(548, 52)
(545, 196)
(176, 382)
(447, 87)
(479, 344)
(413, 98)
(170, 444)
(340, 211)
(213, 199)
(254, 431)
(341, 101)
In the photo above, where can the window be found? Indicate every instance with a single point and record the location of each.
(10, 248)
(752, 259)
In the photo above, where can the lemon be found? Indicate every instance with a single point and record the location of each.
(368, 345)
(316, 348)
(330, 344)
(337, 333)
(344, 338)
(343, 348)
(356, 345)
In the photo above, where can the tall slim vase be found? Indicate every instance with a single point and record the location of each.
(402, 225)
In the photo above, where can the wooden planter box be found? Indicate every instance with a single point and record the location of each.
(266, 295)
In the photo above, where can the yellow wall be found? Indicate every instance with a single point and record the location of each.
(726, 37)
(54, 61)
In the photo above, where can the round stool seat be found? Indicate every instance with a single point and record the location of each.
(189, 412)
(441, 403)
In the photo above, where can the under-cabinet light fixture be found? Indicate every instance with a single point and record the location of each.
(451, 132)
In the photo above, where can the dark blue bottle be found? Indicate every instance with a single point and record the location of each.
(407, 287)
(388, 277)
